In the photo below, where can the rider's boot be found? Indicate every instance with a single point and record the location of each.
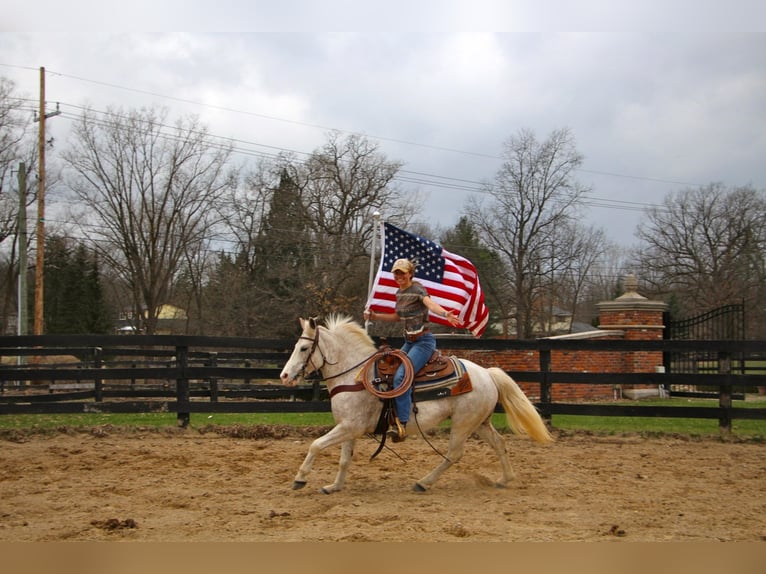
(400, 433)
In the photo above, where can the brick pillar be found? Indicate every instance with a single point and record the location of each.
(640, 319)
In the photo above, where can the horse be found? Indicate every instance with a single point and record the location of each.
(337, 351)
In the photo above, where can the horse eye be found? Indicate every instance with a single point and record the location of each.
(304, 348)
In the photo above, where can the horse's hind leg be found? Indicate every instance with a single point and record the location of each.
(346, 453)
(455, 452)
(489, 434)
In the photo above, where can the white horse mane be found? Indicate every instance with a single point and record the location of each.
(349, 330)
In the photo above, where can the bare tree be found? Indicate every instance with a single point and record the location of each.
(584, 250)
(605, 280)
(531, 203)
(16, 146)
(151, 191)
(707, 246)
(17, 149)
(343, 183)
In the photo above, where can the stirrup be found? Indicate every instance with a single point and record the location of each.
(400, 433)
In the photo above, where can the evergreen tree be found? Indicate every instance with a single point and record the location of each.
(96, 317)
(74, 299)
(283, 261)
(57, 276)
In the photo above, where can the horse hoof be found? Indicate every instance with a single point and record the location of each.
(419, 487)
(298, 484)
(325, 490)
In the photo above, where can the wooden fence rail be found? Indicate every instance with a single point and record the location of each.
(187, 374)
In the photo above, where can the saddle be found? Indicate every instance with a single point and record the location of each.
(441, 375)
(437, 366)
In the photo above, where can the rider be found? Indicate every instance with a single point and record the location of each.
(412, 306)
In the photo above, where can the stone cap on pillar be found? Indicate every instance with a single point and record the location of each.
(632, 299)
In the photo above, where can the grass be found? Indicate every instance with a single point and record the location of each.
(694, 427)
(159, 420)
(601, 425)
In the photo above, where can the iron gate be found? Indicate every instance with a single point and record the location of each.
(723, 323)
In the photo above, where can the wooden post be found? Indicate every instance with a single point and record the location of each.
(182, 387)
(545, 385)
(213, 362)
(98, 384)
(23, 323)
(724, 392)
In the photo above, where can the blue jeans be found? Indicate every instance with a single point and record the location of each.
(418, 352)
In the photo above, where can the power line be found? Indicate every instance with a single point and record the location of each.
(329, 128)
(240, 146)
(411, 177)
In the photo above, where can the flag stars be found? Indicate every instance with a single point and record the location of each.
(426, 254)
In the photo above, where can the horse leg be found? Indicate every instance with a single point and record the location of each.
(335, 436)
(455, 450)
(489, 434)
(346, 453)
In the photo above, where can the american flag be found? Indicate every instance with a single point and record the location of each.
(451, 280)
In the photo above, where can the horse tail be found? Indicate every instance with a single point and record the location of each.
(521, 414)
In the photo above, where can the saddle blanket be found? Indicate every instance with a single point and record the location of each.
(441, 377)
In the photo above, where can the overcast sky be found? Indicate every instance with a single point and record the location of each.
(658, 96)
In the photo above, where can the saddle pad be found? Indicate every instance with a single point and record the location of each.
(456, 383)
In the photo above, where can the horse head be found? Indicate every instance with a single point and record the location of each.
(302, 361)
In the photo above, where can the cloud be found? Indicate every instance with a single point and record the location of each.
(651, 112)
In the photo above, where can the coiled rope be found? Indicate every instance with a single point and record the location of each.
(409, 374)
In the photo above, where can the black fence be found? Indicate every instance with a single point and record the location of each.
(186, 374)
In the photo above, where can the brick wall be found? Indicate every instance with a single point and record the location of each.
(574, 361)
(629, 317)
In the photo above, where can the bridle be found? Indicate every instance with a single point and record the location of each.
(309, 359)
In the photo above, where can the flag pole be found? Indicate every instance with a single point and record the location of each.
(376, 219)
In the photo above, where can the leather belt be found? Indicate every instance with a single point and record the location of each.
(412, 337)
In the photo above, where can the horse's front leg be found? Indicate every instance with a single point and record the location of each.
(336, 436)
(346, 453)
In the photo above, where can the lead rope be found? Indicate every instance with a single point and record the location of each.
(420, 430)
(383, 444)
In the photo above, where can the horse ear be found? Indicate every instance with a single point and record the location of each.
(313, 322)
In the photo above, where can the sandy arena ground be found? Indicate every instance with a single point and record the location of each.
(234, 484)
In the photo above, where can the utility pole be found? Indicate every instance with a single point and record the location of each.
(39, 271)
(23, 327)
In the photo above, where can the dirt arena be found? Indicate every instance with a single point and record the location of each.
(234, 484)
